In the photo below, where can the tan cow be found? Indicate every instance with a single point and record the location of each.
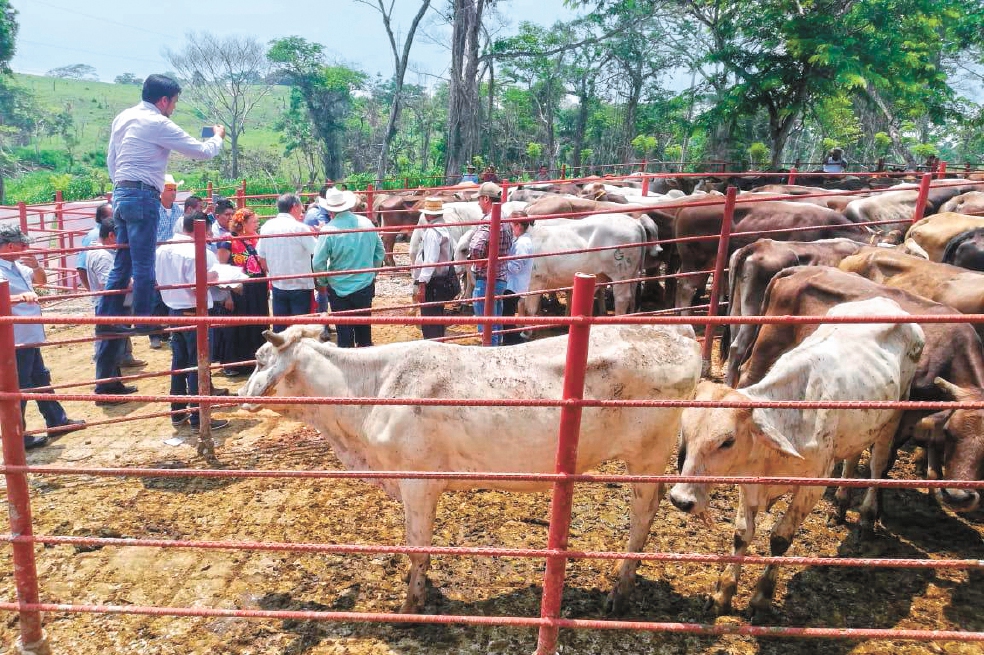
(928, 237)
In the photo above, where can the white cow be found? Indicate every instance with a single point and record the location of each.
(625, 362)
(837, 362)
(614, 263)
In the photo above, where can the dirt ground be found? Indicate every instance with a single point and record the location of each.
(337, 511)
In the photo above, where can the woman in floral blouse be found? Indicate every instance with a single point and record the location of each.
(244, 340)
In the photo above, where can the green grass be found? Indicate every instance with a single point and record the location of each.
(95, 104)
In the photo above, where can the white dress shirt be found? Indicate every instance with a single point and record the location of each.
(176, 265)
(141, 140)
(288, 255)
(436, 248)
(98, 265)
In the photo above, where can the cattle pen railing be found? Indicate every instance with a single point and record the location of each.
(29, 604)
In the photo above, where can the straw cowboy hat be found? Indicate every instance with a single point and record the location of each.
(169, 181)
(336, 200)
(432, 207)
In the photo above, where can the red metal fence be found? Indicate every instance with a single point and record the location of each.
(23, 541)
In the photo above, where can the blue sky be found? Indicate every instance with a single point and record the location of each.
(119, 37)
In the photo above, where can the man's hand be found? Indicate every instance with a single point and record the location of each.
(229, 303)
(420, 292)
(219, 131)
(30, 261)
(27, 296)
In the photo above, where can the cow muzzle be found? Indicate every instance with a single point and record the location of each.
(686, 498)
(959, 500)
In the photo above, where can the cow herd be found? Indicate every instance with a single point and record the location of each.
(853, 260)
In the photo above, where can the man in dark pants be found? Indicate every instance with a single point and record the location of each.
(347, 251)
(22, 272)
(140, 142)
(176, 265)
(435, 248)
(288, 254)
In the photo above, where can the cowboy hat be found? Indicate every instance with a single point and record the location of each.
(432, 207)
(169, 181)
(336, 200)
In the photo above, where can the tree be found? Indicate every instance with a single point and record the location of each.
(226, 80)
(326, 91)
(8, 35)
(401, 57)
(75, 72)
(463, 136)
(128, 78)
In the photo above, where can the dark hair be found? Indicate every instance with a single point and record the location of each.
(104, 210)
(107, 226)
(156, 87)
(192, 203)
(223, 205)
(188, 223)
(521, 213)
(286, 202)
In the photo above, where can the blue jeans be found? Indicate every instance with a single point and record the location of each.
(354, 336)
(293, 302)
(478, 297)
(184, 354)
(31, 374)
(135, 213)
(109, 354)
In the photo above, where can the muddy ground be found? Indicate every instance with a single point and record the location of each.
(338, 511)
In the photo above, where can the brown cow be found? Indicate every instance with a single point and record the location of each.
(951, 285)
(928, 237)
(952, 352)
(750, 270)
(971, 202)
(751, 220)
(900, 205)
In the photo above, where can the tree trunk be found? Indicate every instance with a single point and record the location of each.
(463, 109)
(580, 126)
(234, 150)
(893, 131)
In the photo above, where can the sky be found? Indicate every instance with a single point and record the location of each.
(117, 37)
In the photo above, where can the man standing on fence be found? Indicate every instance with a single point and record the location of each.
(22, 272)
(288, 255)
(478, 248)
(176, 265)
(140, 142)
(350, 292)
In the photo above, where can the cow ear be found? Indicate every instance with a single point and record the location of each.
(275, 338)
(765, 430)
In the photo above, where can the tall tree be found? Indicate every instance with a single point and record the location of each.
(401, 57)
(326, 92)
(464, 135)
(225, 80)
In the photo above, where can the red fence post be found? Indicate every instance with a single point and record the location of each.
(645, 185)
(206, 446)
(22, 212)
(941, 171)
(722, 257)
(371, 202)
(792, 175)
(563, 171)
(208, 193)
(582, 301)
(241, 195)
(60, 226)
(495, 226)
(922, 198)
(18, 494)
(505, 191)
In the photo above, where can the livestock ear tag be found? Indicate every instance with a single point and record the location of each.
(772, 436)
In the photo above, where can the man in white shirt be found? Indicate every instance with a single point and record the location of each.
(289, 255)
(103, 211)
(176, 265)
(140, 142)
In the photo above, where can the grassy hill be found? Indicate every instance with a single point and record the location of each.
(94, 104)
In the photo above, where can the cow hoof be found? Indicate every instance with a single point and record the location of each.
(761, 614)
(717, 606)
(411, 607)
(615, 604)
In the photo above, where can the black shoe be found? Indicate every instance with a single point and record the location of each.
(133, 363)
(177, 420)
(216, 424)
(71, 425)
(231, 372)
(122, 390)
(35, 441)
(219, 391)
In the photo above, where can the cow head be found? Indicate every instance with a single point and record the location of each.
(275, 360)
(723, 441)
(960, 436)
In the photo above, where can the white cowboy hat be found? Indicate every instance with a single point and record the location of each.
(169, 181)
(336, 200)
(432, 206)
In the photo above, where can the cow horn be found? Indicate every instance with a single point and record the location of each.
(955, 392)
(275, 338)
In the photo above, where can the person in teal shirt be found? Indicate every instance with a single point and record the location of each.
(341, 250)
